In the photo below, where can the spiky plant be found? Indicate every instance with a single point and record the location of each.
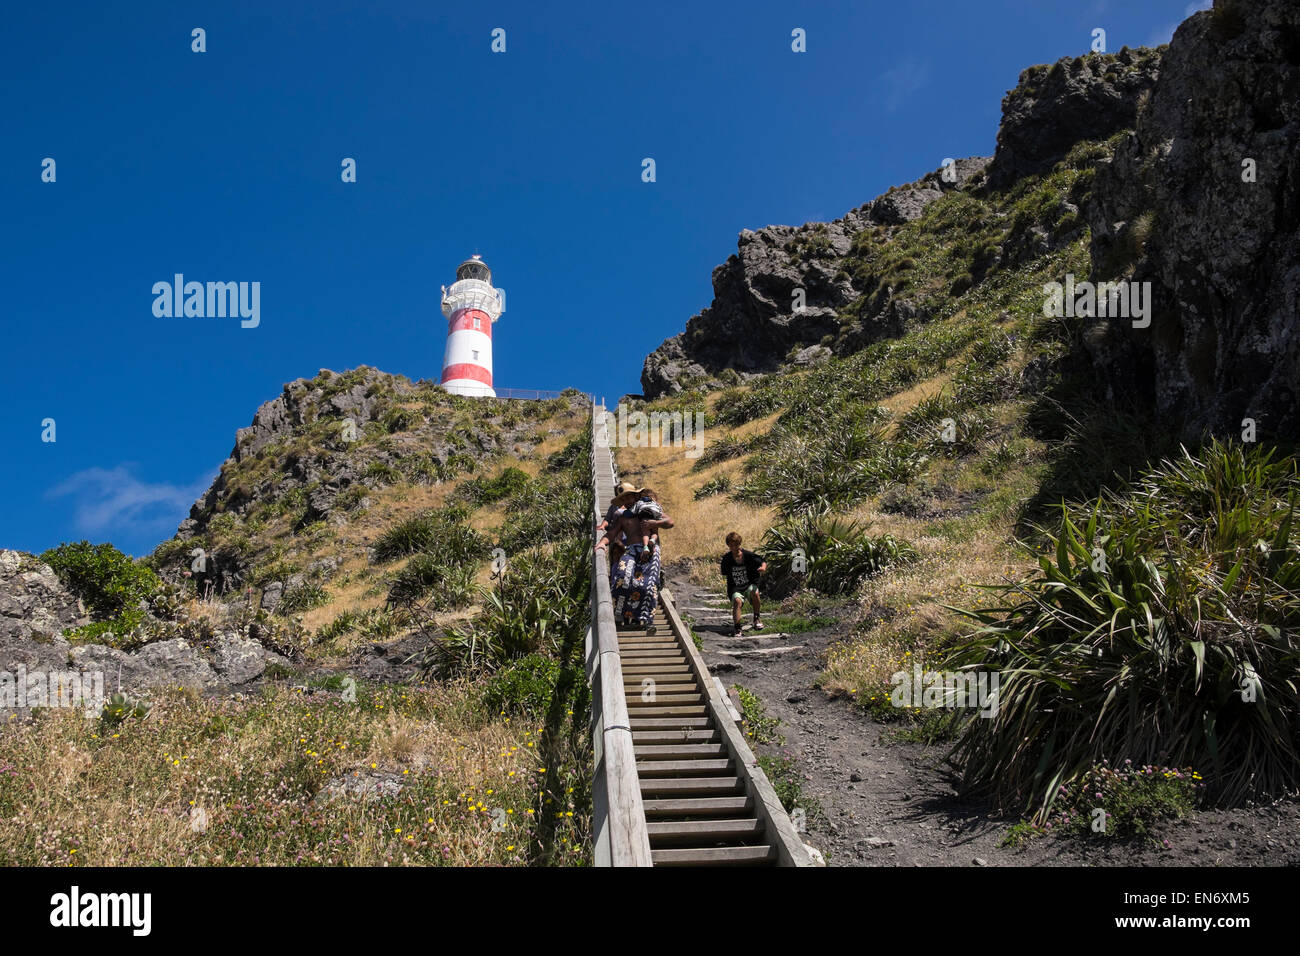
(1159, 629)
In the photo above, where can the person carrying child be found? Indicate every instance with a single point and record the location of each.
(625, 495)
(634, 582)
(741, 568)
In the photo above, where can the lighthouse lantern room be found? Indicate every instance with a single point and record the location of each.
(471, 305)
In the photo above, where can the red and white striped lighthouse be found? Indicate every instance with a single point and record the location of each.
(471, 305)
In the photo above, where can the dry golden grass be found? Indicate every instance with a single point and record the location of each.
(203, 782)
(699, 527)
(917, 622)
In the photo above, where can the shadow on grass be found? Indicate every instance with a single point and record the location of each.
(566, 740)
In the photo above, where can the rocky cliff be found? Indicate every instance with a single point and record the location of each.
(754, 324)
(785, 289)
(286, 534)
(36, 609)
(1203, 201)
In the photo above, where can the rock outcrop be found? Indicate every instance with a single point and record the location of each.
(1054, 107)
(1203, 201)
(36, 608)
(782, 292)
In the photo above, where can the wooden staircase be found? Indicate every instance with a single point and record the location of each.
(697, 807)
(688, 781)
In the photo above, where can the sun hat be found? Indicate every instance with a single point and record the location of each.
(624, 489)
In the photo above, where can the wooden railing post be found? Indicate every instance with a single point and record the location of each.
(618, 815)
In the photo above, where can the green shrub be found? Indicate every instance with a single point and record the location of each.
(1159, 630)
(382, 473)
(754, 720)
(398, 419)
(344, 624)
(120, 708)
(550, 510)
(574, 451)
(120, 631)
(1135, 799)
(523, 687)
(304, 597)
(804, 473)
(107, 581)
(720, 449)
(449, 585)
(540, 596)
(422, 469)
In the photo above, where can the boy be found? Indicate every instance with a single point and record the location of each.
(741, 568)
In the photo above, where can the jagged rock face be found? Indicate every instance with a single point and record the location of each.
(302, 402)
(35, 608)
(330, 463)
(34, 604)
(755, 322)
(1223, 254)
(1076, 99)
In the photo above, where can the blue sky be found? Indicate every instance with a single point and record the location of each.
(225, 166)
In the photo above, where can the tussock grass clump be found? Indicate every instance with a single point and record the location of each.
(1160, 629)
(714, 486)
(448, 586)
(836, 553)
(802, 473)
(441, 531)
(536, 601)
(482, 490)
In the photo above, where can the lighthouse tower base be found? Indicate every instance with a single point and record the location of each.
(471, 388)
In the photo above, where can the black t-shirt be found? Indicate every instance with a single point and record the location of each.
(741, 574)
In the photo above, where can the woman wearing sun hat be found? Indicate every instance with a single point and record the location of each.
(634, 583)
(625, 495)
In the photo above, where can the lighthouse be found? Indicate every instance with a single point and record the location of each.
(471, 305)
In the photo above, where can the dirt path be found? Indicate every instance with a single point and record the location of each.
(887, 803)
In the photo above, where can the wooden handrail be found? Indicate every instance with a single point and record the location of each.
(789, 845)
(618, 815)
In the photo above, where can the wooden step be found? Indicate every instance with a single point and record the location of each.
(666, 710)
(690, 786)
(670, 723)
(650, 662)
(697, 806)
(663, 698)
(638, 679)
(672, 737)
(704, 832)
(657, 687)
(666, 768)
(715, 856)
(676, 751)
(671, 666)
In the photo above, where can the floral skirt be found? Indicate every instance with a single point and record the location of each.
(635, 587)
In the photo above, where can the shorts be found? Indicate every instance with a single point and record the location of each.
(740, 596)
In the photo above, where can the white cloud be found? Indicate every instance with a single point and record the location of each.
(115, 500)
(902, 81)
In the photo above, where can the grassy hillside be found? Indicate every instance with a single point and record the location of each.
(471, 748)
(917, 471)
